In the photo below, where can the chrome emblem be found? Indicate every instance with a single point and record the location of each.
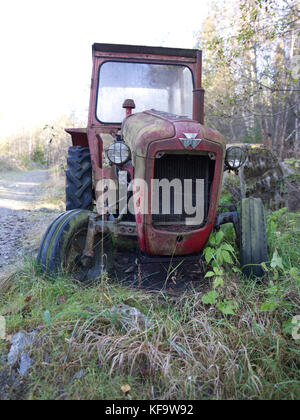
(190, 140)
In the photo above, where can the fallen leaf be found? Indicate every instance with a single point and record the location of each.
(126, 388)
(108, 298)
(130, 270)
(61, 300)
(25, 310)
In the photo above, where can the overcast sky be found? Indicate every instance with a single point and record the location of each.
(46, 48)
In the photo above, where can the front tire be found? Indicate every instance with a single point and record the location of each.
(253, 242)
(63, 244)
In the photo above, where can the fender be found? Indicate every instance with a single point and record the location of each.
(79, 136)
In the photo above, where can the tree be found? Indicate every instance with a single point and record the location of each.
(252, 94)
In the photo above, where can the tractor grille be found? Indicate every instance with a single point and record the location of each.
(182, 167)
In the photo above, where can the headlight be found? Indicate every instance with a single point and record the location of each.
(118, 152)
(235, 157)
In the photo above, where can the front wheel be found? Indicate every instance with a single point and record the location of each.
(62, 247)
(253, 242)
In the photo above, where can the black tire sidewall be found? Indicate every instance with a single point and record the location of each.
(59, 237)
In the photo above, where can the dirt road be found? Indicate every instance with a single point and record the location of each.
(19, 192)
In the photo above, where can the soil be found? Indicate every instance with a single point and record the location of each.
(19, 191)
(171, 278)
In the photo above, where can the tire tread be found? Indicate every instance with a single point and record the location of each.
(79, 188)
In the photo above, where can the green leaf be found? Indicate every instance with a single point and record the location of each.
(264, 266)
(209, 274)
(228, 247)
(209, 254)
(227, 258)
(287, 327)
(218, 281)
(227, 307)
(214, 264)
(210, 298)
(212, 240)
(219, 237)
(269, 306)
(276, 261)
(218, 271)
(219, 256)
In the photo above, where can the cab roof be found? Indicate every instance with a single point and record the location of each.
(141, 49)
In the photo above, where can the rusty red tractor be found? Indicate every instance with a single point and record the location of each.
(147, 169)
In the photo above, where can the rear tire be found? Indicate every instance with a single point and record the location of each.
(63, 244)
(253, 242)
(79, 193)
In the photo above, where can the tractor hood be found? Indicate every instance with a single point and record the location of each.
(141, 129)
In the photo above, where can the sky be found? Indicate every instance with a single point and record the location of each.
(46, 49)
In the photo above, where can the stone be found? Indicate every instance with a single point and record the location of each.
(21, 342)
(130, 317)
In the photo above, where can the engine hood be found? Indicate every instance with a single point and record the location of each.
(141, 129)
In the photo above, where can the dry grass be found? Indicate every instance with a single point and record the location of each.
(53, 196)
(10, 164)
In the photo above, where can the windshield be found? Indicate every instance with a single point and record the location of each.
(152, 86)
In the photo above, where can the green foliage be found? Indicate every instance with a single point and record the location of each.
(221, 256)
(284, 241)
(227, 307)
(283, 233)
(248, 74)
(284, 244)
(38, 155)
(210, 298)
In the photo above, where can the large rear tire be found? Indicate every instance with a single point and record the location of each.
(79, 192)
(253, 242)
(63, 244)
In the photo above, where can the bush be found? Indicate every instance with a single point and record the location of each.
(38, 155)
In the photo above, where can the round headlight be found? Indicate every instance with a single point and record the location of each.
(235, 157)
(118, 152)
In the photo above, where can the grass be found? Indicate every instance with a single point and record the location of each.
(9, 164)
(188, 350)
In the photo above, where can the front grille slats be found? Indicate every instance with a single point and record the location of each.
(174, 166)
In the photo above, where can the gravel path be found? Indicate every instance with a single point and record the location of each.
(18, 192)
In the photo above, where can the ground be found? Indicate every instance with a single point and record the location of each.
(21, 212)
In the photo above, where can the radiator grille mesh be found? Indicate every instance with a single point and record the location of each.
(174, 166)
